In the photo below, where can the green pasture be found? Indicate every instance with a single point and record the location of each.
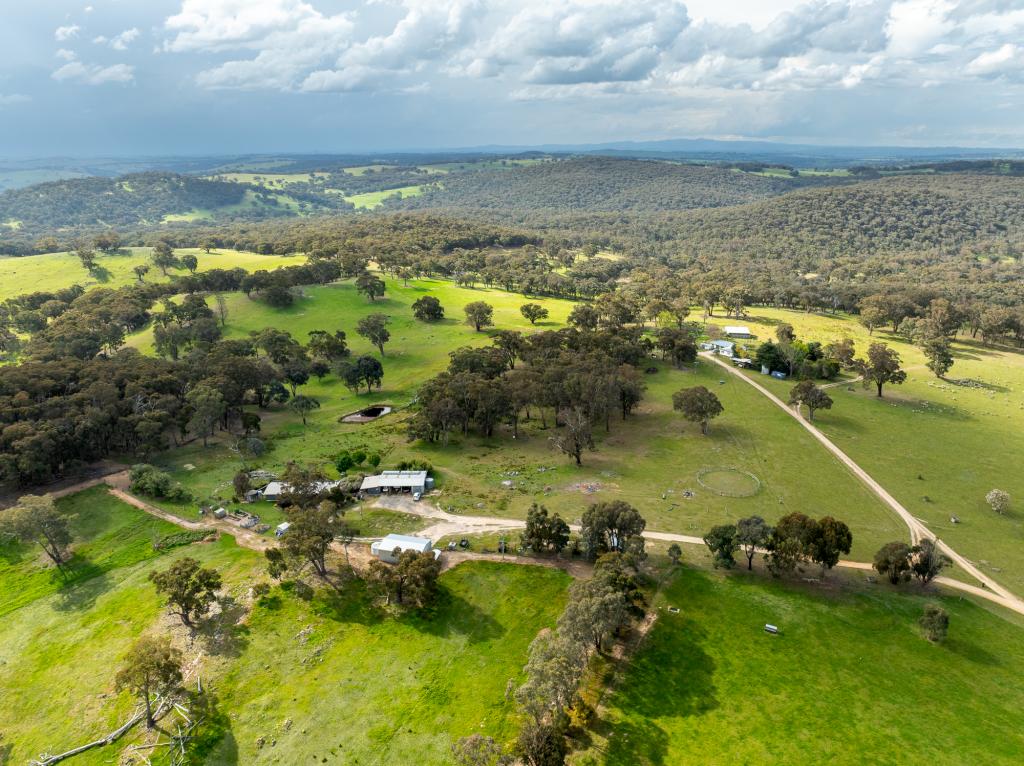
(61, 643)
(849, 680)
(370, 200)
(358, 682)
(54, 271)
(334, 679)
(937, 446)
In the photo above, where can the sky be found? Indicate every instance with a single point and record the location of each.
(162, 77)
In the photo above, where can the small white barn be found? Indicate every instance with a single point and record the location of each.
(282, 528)
(737, 331)
(393, 546)
(397, 481)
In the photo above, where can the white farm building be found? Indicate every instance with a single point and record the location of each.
(397, 481)
(393, 546)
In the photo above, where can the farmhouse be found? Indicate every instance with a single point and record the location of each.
(393, 546)
(397, 481)
(737, 331)
(723, 347)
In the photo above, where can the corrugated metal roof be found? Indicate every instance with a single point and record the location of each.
(395, 479)
(403, 543)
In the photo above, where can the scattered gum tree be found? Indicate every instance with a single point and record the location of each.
(36, 519)
(413, 580)
(374, 328)
(151, 668)
(927, 561)
(751, 533)
(479, 314)
(881, 366)
(577, 434)
(609, 526)
(698, 405)
(428, 309)
(939, 356)
(533, 312)
(893, 561)
(188, 589)
(807, 394)
(721, 541)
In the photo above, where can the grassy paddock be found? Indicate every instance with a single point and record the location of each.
(849, 681)
(361, 687)
(54, 271)
(937, 446)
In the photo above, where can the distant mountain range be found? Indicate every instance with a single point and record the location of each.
(797, 155)
(16, 173)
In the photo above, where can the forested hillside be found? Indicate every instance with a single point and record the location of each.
(131, 200)
(601, 184)
(892, 214)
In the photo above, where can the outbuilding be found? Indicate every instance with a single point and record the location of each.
(282, 528)
(389, 482)
(393, 546)
(720, 347)
(738, 331)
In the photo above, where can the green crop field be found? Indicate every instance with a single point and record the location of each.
(850, 680)
(937, 446)
(652, 460)
(362, 685)
(54, 271)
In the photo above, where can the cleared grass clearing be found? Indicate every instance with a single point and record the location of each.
(280, 201)
(370, 200)
(270, 180)
(937, 446)
(54, 271)
(850, 680)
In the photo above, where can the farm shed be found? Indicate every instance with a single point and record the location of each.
(738, 331)
(393, 546)
(397, 481)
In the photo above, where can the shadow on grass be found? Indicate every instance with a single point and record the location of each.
(671, 677)
(86, 582)
(454, 615)
(224, 634)
(972, 652)
(5, 751)
(214, 741)
(975, 383)
(349, 602)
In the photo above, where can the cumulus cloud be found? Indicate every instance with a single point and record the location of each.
(66, 33)
(556, 48)
(1006, 60)
(120, 41)
(94, 74)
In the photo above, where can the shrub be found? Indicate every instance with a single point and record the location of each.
(152, 482)
(998, 500)
(934, 622)
(414, 465)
